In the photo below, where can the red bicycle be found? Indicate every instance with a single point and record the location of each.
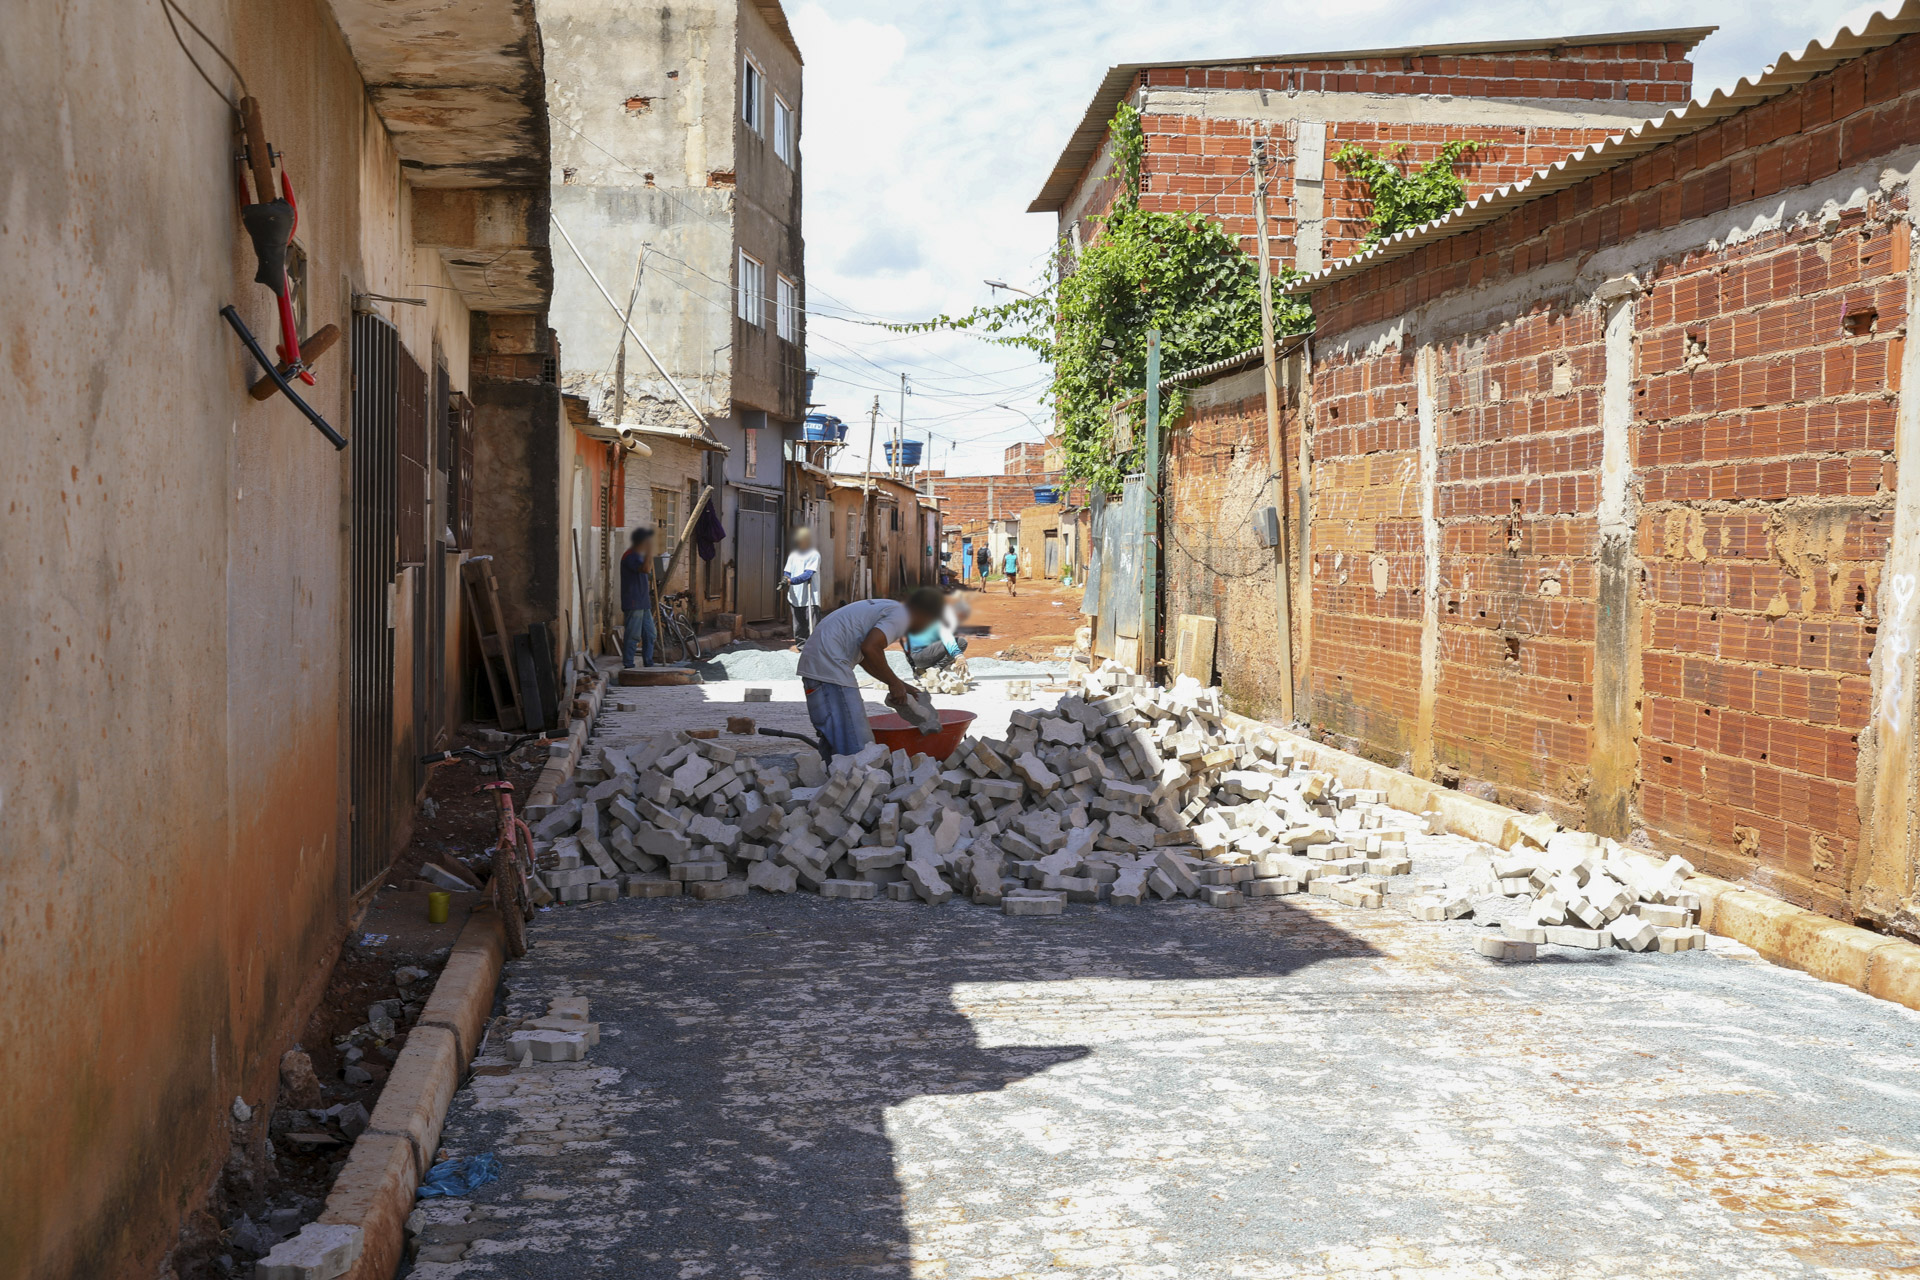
(512, 846)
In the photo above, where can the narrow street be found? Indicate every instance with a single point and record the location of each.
(791, 1086)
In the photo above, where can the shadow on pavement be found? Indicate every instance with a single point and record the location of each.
(763, 1043)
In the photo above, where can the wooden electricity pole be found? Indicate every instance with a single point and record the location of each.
(1150, 543)
(1276, 463)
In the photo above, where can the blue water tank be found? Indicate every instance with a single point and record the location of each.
(824, 428)
(909, 452)
(1047, 493)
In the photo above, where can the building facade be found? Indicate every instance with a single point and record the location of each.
(1610, 508)
(1523, 104)
(676, 173)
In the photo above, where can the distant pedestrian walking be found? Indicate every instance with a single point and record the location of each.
(983, 558)
(1012, 570)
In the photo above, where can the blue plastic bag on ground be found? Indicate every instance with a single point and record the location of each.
(460, 1177)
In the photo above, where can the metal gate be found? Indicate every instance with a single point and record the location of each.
(376, 412)
(757, 555)
(1116, 580)
(1052, 567)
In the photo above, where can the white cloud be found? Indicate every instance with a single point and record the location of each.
(929, 127)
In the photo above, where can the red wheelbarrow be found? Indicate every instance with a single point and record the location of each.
(894, 733)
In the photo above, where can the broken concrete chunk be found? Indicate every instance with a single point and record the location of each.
(322, 1251)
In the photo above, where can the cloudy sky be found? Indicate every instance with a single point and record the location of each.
(929, 126)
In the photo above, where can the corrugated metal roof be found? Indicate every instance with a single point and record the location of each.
(1084, 143)
(1282, 347)
(1786, 74)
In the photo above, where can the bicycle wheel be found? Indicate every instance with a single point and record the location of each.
(510, 896)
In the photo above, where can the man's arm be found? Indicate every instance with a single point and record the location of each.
(873, 660)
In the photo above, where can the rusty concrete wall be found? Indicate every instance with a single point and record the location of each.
(1649, 452)
(172, 819)
(1217, 480)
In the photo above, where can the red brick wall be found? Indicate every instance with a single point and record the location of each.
(1368, 561)
(966, 496)
(1765, 460)
(1518, 448)
(1652, 73)
(1204, 165)
(1762, 472)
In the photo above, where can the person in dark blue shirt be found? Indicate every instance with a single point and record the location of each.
(636, 598)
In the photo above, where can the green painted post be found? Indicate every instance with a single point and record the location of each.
(1150, 557)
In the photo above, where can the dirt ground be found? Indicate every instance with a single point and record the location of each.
(271, 1188)
(1023, 628)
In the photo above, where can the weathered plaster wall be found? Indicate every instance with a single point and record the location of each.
(172, 817)
(642, 99)
(1217, 480)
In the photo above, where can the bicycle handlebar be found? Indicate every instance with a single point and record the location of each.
(491, 757)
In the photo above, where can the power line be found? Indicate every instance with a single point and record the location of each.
(168, 9)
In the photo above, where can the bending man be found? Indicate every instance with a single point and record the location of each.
(858, 634)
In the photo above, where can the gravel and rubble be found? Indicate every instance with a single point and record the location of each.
(1122, 793)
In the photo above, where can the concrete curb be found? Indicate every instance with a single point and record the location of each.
(1790, 936)
(375, 1191)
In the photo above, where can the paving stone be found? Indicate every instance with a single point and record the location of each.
(1028, 902)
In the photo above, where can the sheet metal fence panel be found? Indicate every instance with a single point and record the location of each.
(1116, 582)
(1122, 597)
(1097, 520)
(376, 411)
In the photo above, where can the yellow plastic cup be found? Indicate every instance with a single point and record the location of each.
(437, 907)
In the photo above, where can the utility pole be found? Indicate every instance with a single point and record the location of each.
(1150, 544)
(1276, 463)
(620, 358)
(866, 508)
(900, 430)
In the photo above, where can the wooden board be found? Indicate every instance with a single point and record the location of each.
(1193, 641)
(496, 654)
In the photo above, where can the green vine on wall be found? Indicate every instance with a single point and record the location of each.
(1177, 272)
(1404, 198)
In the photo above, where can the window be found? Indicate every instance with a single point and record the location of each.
(753, 88)
(753, 290)
(787, 312)
(785, 133)
(666, 521)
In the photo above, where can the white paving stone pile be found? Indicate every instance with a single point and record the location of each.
(1123, 793)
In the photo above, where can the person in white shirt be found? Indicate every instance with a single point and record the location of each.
(801, 581)
(858, 634)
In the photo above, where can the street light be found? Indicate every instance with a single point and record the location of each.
(1002, 284)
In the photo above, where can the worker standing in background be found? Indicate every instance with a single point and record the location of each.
(801, 581)
(858, 634)
(636, 599)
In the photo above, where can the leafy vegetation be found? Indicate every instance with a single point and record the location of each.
(1180, 273)
(1404, 198)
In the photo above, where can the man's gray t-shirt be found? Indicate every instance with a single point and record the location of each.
(833, 650)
